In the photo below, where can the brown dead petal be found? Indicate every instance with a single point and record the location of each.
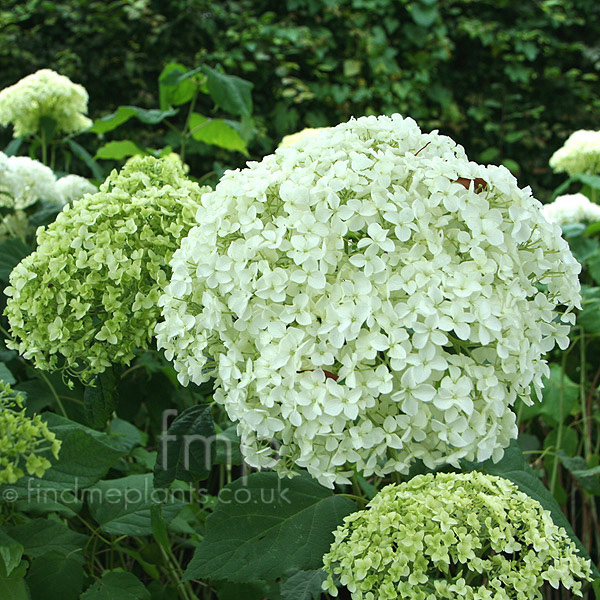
(480, 184)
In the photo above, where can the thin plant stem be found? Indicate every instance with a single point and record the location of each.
(54, 393)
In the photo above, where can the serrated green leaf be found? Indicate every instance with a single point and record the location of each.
(118, 150)
(231, 93)
(263, 527)
(122, 506)
(187, 449)
(56, 577)
(117, 584)
(46, 536)
(303, 585)
(101, 399)
(216, 132)
(152, 116)
(11, 552)
(12, 252)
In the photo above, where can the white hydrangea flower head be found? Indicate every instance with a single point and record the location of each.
(579, 155)
(44, 93)
(368, 298)
(571, 208)
(453, 536)
(74, 187)
(87, 297)
(291, 140)
(24, 181)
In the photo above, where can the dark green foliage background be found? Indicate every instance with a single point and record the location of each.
(507, 79)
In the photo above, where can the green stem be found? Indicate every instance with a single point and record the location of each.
(559, 432)
(185, 133)
(44, 148)
(587, 441)
(54, 393)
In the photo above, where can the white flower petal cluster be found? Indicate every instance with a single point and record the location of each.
(24, 181)
(74, 187)
(470, 536)
(44, 94)
(368, 298)
(571, 208)
(291, 140)
(580, 154)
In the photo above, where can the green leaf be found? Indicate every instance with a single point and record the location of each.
(13, 146)
(186, 450)
(593, 228)
(303, 585)
(6, 376)
(12, 252)
(122, 506)
(152, 116)
(118, 150)
(252, 590)
(159, 526)
(216, 132)
(424, 16)
(86, 157)
(85, 457)
(117, 584)
(593, 265)
(101, 399)
(175, 85)
(586, 476)
(264, 526)
(56, 577)
(46, 536)
(231, 93)
(11, 552)
(12, 587)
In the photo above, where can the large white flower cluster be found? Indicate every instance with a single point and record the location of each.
(44, 93)
(74, 187)
(571, 208)
(580, 154)
(366, 298)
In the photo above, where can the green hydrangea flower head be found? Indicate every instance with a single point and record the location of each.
(24, 441)
(88, 296)
(44, 94)
(469, 536)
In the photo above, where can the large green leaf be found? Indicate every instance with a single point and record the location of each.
(12, 587)
(47, 536)
(100, 399)
(263, 527)
(117, 584)
(56, 577)
(118, 150)
(152, 116)
(216, 132)
(303, 585)
(123, 506)
(231, 93)
(11, 552)
(11, 253)
(186, 450)
(85, 457)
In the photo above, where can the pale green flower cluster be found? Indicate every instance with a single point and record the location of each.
(23, 441)
(469, 536)
(579, 155)
(88, 296)
(44, 94)
(369, 297)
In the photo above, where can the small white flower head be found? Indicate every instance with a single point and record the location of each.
(88, 296)
(24, 181)
(571, 208)
(291, 140)
(74, 187)
(453, 536)
(580, 154)
(367, 298)
(44, 94)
